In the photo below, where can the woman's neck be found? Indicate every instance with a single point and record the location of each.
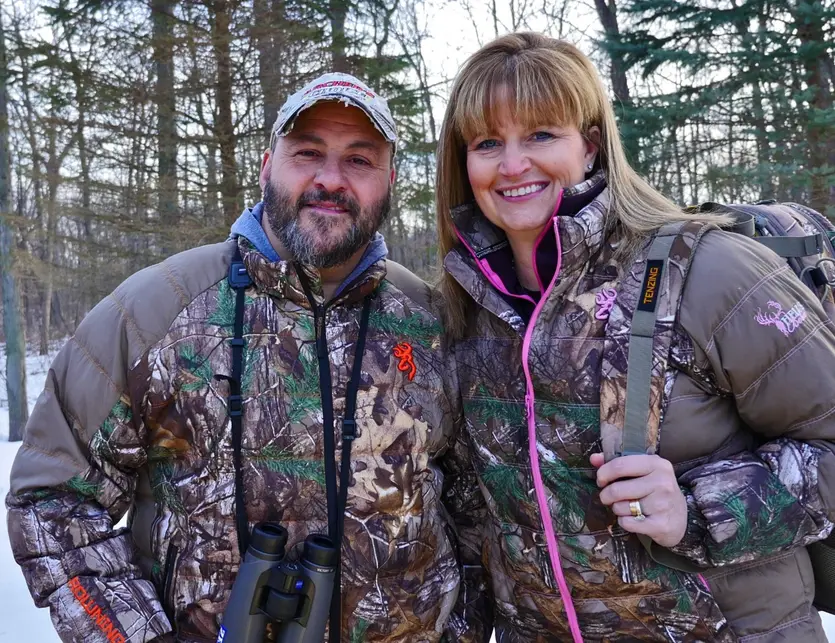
(523, 257)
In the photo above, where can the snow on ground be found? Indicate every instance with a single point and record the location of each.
(20, 620)
(36, 369)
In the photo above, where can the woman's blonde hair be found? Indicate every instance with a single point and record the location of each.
(542, 81)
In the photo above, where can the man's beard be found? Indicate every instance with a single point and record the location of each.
(311, 244)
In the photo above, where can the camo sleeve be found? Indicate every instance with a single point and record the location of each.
(765, 340)
(472, 617)
(74, 478)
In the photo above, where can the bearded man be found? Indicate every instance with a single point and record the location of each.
(290, 374)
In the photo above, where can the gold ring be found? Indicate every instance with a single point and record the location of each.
(635, 510)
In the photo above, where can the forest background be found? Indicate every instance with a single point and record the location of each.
(132, 129)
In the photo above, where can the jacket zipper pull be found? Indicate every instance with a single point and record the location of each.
(321, 337)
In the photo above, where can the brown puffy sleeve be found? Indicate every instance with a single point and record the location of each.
(761, 337)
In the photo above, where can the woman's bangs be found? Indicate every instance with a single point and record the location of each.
(533, 96)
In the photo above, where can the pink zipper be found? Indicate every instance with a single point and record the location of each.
(488, 271)
(530, 400)
(539, 486)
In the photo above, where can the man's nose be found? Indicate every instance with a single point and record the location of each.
(329, 176)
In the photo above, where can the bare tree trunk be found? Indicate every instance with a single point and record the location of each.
(166, 103)
(52, 180)
(54, 162)
(267, 32)
(494, 13)
(221, 11)
(339, 42)
(12, 323)
(819, 136)
(828, 71)
(87, 291)
(607, 13)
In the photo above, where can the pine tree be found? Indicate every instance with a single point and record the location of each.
(734, 103)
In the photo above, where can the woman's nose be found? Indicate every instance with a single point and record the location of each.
(515, 161)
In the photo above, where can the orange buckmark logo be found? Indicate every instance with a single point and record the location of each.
(403, 352)
(95, 612)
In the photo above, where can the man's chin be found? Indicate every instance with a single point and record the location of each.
(324, 213)
(323, 255)
(318, 217)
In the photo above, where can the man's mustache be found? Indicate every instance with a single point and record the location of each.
(336, 198)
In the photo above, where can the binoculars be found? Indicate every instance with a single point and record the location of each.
(296, 595)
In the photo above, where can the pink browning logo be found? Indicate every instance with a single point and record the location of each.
(786, 321)
(605, 301)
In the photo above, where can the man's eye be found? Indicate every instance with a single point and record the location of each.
(358, 160)
(487, 144)
(308, 153)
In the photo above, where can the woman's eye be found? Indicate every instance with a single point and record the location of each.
(487, 144)
(542, 136)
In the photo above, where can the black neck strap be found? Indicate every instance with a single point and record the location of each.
(337, 500)
(239, 280)
(349, 432)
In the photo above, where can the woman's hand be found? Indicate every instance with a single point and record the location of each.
(651, 481)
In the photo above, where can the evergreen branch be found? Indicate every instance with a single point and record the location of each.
(251, 360)
(82, 487)
(162, 487)
(195, 365)
(503, 482)
(281, 461)
(572, 492)
(303, 392)
(412, 328)
(223, 315)
(486, 407)
(580, 555)
(121, 413)
(358, 633)
(765, 532)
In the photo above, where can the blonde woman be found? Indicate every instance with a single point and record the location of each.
(545, 229)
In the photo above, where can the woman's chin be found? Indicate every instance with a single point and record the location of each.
(524, 229)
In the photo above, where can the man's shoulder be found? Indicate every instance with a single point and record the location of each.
(180, 277)
(147, 302)
(412, 286)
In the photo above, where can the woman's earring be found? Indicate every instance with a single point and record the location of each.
(590, 166)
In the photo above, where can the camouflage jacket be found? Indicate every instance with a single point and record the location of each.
(748, 420)
(132, 418)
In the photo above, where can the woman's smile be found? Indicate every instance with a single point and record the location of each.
(524, 192)
(518, 170)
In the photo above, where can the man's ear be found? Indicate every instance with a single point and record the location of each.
(266, 168)
(392, 176)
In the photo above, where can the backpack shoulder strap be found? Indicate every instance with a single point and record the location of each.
(637, 437)
(747, 217)
(639, 336)
(632, 392)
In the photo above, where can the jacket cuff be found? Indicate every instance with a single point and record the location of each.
(693, 545)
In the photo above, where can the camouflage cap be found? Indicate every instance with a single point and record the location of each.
(336, 87)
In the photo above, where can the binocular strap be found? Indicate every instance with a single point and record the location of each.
(337, 500)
